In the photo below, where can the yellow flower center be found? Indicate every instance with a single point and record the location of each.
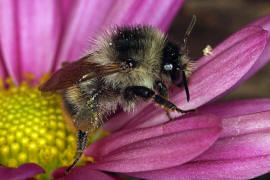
(33, 129)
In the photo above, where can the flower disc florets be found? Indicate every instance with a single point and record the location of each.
(32, 128)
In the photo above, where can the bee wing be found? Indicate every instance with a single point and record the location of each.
(77, 72)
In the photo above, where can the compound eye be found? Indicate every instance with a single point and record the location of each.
(168, 67)
(131, 63)
(128, 64)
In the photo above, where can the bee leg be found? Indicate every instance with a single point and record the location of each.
(146, 93)
(167, 105)
(162, 90)
(86, 121)
(168, 114)
(81, 144)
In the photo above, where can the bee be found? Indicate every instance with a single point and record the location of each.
(129, 64)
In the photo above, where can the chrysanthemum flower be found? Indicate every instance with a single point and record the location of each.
(36, 37)
(146, 145)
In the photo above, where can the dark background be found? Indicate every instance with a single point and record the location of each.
(216, 20)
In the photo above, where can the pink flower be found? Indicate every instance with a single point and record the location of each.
(241, 152)
(143, 146)
(37, 37)
(147, 148)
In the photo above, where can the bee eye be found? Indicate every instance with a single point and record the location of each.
(131, 63)
(168, 67)
(128, 63)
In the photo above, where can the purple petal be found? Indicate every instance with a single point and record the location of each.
(242, 152)
(3, 70)
(228, 43)
(80, 173)
(9, 38)
(82, 22)
(129, 136)
(157, 13)
(39, 25)
(223, 169)
(30, 32)
(158, 147)
(236, 108)
(22, 172)
(245, 124)
(89, 18)
(264, 23)
(242, 136)
(240, 147)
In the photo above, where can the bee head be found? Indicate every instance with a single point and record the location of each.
(174, 65)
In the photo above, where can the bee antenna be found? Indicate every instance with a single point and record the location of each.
(185, 85)
(184, 49)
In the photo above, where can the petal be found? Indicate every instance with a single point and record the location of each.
(30, 32)
(129, 136)
(98, 16)
(242, 136)
(80, 173)
(264, 23)
(245, 124)
(156, 13)
(235, 169)
(240, 147)
(3, 70)
(236, 108)
(82, 22)
(22, 172)
(39, 25)
(9, 38)
(242, 152)
(154, 148)
(228, 43)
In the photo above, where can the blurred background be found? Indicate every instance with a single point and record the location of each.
(216, 20)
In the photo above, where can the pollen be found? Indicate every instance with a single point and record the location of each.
(33, 128)
(207, 50)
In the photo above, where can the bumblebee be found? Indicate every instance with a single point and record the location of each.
(128, 64)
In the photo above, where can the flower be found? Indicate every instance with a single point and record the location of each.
(241, 152)
(148, 149)
(36, 37)
(146, 145)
